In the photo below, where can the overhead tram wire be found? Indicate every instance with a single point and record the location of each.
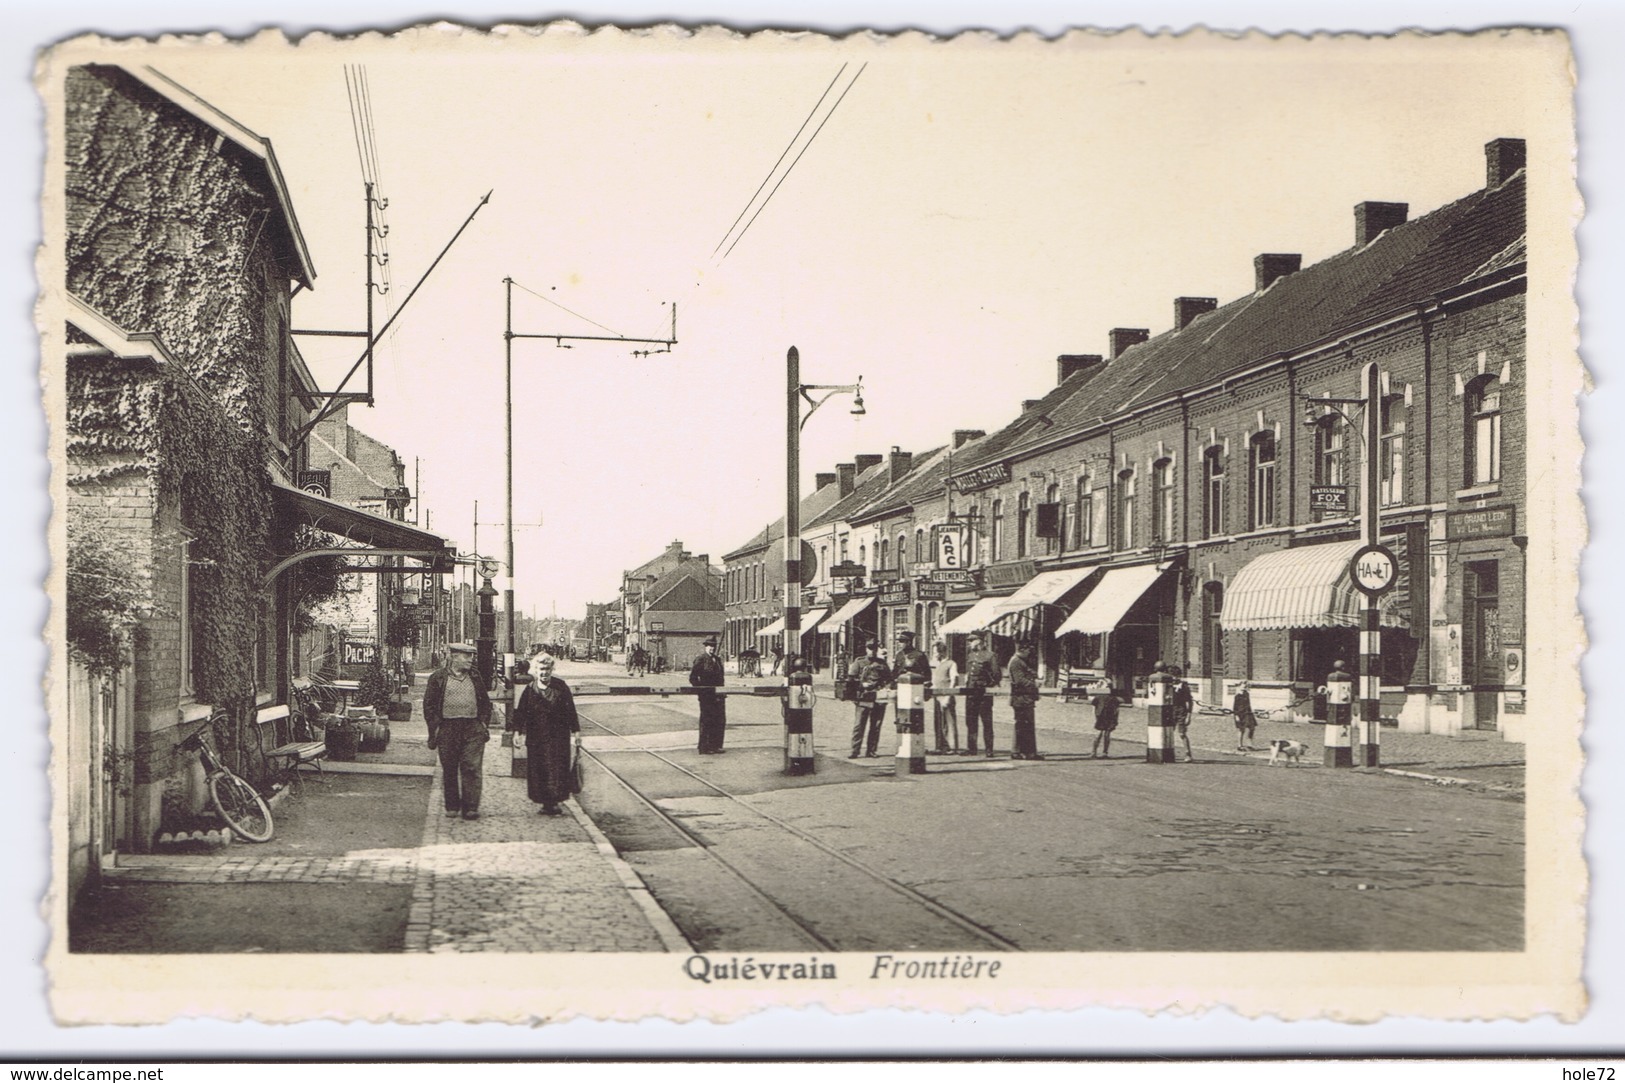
(577, 315)
(788, 147)
(798, 157)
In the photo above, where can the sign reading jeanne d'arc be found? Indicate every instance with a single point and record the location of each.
(1481, 523)
(982, 477)
(950, 539)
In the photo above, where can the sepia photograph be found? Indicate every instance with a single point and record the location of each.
(562, 520)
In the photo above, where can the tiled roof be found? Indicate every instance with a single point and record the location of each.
(870, 484)
(925, 480)
(1477, 235)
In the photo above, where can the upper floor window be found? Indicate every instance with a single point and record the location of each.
(1213, 503)
(863, 556)
(1329, 450)
(1483, 442)
(843, 549)
(1261, 498)
(996, 531)
(1023, 522)
(1125, 510)
(1084, 520)
(1163, 473)
(823, 563)
(920, 553)
(883, 555)
(1391, 476)
(902, 553)
(1056, 541)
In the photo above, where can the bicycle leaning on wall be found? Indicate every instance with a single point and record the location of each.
(238, 803)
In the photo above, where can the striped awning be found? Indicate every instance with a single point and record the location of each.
(1307, 587)
(977, 617)
(1045, 588)
(852, 609)
(1112, 597)
(774, 629)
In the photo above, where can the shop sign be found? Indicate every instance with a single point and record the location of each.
(1016, 573)
(930, 592)
(950, 546)
(982, 477)
(958, 579)
(884, 575)
(1328, 498)
(846, 569)
(894, 594)
(1480, 523)
(359, 652)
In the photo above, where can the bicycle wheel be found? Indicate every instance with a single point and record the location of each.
(244, 811)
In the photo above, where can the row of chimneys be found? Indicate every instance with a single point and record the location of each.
(846, 474)
(1502, 158)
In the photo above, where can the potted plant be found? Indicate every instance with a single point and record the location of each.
(343, 737)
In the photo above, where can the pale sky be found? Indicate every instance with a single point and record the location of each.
(967, 213)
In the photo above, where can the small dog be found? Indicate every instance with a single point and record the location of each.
(1289, 750)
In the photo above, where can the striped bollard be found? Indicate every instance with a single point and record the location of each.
(1370, 728)
(1339, 717)
(910, 724)
(1159, 717)
(798, 724)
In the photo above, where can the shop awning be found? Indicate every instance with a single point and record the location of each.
(809, 621)
(365, 527)
(378, 535)
(774, 629)
(1307, 587)
(1045, 588)
(852, 609)
(977, 617)
(1112, 597)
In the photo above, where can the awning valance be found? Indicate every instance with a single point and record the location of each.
(1307, 587)
(774, 629)
(364, 527)
(1112, 597)
(977, 617)
(851, 609)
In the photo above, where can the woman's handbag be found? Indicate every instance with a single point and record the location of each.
(575, 768)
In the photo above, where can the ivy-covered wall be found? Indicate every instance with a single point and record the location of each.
(171, 230)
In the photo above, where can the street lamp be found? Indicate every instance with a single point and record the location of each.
(798, 735)
(1373, 569)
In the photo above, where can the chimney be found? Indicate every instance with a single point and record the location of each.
(1069, 364)
(1371, 218)
(821, 481)
(1272, 265)
(866, 461)
(1028, 404)
(965, 436)
(1187, 309)
(1124, 337)
(1502, 158)
(848, 474)
(900, 462)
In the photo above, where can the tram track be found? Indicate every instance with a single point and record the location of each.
(817, 866)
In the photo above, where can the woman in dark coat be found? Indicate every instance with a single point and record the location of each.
(547, 715)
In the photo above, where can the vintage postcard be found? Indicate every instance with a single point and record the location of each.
(558, 521)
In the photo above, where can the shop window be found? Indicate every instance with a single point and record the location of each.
(1023, 519)
(1483, 436)
(1212, 630)
(1163, 530)
(1261, 500)
(1213, 508)
(1125, 510)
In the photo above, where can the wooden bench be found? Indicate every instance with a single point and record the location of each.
(295, 753)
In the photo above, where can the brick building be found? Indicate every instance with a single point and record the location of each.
(1197, 507)
(185, 400)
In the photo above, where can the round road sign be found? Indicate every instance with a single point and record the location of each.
(1374, 569)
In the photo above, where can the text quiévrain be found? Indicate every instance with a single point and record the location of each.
(749, 969)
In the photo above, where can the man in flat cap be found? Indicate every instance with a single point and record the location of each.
(706, 674)
(457, 710)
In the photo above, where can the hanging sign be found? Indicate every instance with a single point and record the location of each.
(1328, 498)
(950, 546)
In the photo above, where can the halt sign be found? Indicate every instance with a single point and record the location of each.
(1374, 568)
